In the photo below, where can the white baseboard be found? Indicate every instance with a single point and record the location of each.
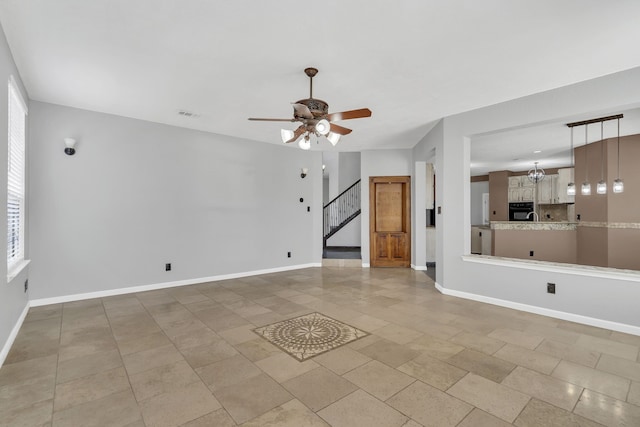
(419, 267)
(366, 265)
(155, 286)
(578, 318)
(12, 336)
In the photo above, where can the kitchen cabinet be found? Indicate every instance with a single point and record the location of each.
(565, 176)
(548, 190)
(515, 181)
(481, 240)
(486, 241)
(521, 189)
(521, 194)
(476, 240)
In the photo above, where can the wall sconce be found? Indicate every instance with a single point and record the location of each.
(303, 172)
(70, 144)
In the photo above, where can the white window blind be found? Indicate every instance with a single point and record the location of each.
(15, 176)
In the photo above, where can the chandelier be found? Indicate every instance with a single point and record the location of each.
(536, 174)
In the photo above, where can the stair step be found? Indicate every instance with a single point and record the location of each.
(330, 262)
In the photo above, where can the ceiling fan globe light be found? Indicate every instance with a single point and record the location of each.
(286, 134)
(323, 127)
(333, 138)
(304, 144)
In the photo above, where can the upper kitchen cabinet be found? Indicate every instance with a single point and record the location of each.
(521, 189)
(548, 190)
(565, 176)
(520, 181)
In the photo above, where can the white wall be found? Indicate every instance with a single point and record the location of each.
(332, 171)
(349, 165)
(349, 235)
(607, 298)
(429, 149)
(379, 163)
(476, 190)
(13, 299)
(419, 215)
(137, 195)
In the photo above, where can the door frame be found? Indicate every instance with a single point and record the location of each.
(406, 180)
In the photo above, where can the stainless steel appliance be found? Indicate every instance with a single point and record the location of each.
(519, 211)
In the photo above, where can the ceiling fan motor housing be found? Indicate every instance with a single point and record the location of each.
(318, 107)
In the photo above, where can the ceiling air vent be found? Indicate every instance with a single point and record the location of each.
(189, 114)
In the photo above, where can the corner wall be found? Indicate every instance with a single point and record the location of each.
(580, 293)
(137, 195)
(13, 298)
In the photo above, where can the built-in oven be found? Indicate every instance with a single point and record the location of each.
(519, 211)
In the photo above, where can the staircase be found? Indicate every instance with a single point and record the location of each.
(340, 211)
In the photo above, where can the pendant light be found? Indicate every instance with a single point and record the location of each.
(536, 175)
(618, 184)
(586, 187)
(585, 190)
(601, 187)
(571, 187)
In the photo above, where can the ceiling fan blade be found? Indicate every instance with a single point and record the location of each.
(297, 133)
(271, 120)
(351, 114)
(301, 110)
(340, 130)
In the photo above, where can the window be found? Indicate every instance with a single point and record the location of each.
(15, 176)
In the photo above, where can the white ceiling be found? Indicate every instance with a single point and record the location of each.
(516, 149)
(411, 62)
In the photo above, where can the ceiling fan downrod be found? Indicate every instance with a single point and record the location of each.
(311, 72)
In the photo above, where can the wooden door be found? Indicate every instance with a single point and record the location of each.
(390, 221)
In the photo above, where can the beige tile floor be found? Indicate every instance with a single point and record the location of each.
(187, 356)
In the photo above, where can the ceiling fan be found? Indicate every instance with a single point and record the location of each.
(316, 119)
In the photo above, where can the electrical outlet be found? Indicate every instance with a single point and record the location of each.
(551, 288)
(167, 267)
(530, 253)
(288, 254)
(26, 285)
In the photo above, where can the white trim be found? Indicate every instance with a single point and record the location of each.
(132, 289)
(607, 324)
(553, 267)
(12, 336)
(419, 268)
(366, 265)
(17, 269)
(14, 86)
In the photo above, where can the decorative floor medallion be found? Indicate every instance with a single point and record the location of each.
(309, 335)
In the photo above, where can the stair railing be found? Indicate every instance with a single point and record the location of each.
(341, 210)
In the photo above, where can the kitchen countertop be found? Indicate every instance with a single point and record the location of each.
(531, 225)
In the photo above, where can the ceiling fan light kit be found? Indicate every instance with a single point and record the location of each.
(305, 143)
(316, 119)
(333, 138)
